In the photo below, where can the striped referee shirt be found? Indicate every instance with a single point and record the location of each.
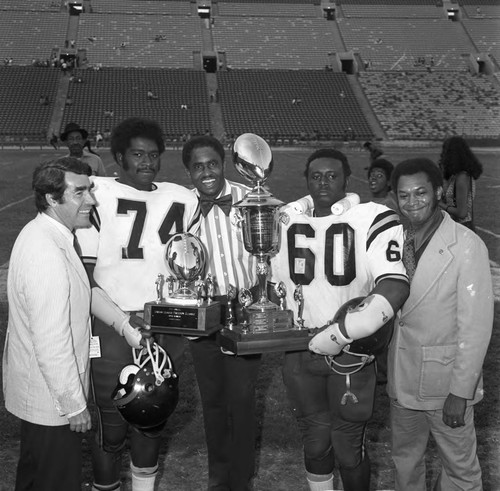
(228, 261)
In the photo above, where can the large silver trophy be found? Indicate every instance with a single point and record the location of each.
(267, 326)
(183, 310)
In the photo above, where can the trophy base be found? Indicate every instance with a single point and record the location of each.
(243, 342)
(171, 318)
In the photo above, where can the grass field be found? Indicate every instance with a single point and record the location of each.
(183, 460)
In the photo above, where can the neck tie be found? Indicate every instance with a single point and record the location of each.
(409, 253)
(76, 245)
(224, 203)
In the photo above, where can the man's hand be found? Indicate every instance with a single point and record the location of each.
(329, 341)
(81, 422)
(454, 411)
(139, 324)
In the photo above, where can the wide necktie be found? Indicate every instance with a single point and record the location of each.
(224, 203)
(409, 253)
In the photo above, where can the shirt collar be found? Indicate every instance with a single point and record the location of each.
(67, 233)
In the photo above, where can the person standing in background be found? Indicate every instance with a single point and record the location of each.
(460, 168)
(379, 182)
(76, 140)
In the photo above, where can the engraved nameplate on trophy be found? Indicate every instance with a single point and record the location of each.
(182, 310)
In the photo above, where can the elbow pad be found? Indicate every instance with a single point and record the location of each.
(108, 312)
(367, 317)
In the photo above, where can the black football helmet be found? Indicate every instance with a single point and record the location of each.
(360, 352)
(147, 391)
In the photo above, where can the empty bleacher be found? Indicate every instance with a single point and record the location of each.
(25, 36)
(486, 35)
(140, 7)
(181, 106)
(392, 11)
(476, 11)
(20, 90)
(396, 44)
(121, 40)
(274, 42)
(416, 105)
(276, 67)
(269, 9)
(31, 6)
(290, 104)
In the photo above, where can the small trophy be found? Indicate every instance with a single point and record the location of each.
(280, 291)
(299, 298)
(231, 295)
(183, 310)
(269, 327)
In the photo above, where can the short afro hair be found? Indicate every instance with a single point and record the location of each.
(414, 166)
(329, 153)
(135, 128)
(201, 142)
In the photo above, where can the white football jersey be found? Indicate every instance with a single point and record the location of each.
(336, 258)
(128, 237)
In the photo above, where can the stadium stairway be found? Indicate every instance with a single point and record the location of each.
(366, 107)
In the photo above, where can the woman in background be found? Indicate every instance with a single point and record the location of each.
(461, 168)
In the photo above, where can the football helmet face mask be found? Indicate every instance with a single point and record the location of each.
(361, 351)
(147, 392)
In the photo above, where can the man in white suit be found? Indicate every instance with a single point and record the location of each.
(46, 356)
(440, 337)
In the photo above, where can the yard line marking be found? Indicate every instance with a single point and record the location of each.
(3, 281)
(16, 202)
(495, 279)
(489, 232)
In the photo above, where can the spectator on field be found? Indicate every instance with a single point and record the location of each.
(440, 338)
(460, 168)
(98, 138)
(152, 96)
(379, 182)
(76, 139)
(374, 151)
(46, 367)
(54, 141)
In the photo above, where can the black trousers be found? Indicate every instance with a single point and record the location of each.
(227, 389)
(50, 458)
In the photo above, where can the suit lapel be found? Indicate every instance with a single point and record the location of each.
(75, 261)
(432, 265)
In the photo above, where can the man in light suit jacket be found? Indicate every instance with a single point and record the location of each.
(46, 356)
(440, 339)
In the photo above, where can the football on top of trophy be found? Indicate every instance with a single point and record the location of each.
(252, 158)
(185, 257)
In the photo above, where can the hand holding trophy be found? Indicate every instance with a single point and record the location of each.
(183, 311)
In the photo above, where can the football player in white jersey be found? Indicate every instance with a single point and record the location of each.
(329, 255)
(124, 253)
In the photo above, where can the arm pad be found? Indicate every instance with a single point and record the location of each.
(368, 317)
(108, 312)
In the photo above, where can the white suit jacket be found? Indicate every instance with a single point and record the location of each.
(442, 332)
(46, 354)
